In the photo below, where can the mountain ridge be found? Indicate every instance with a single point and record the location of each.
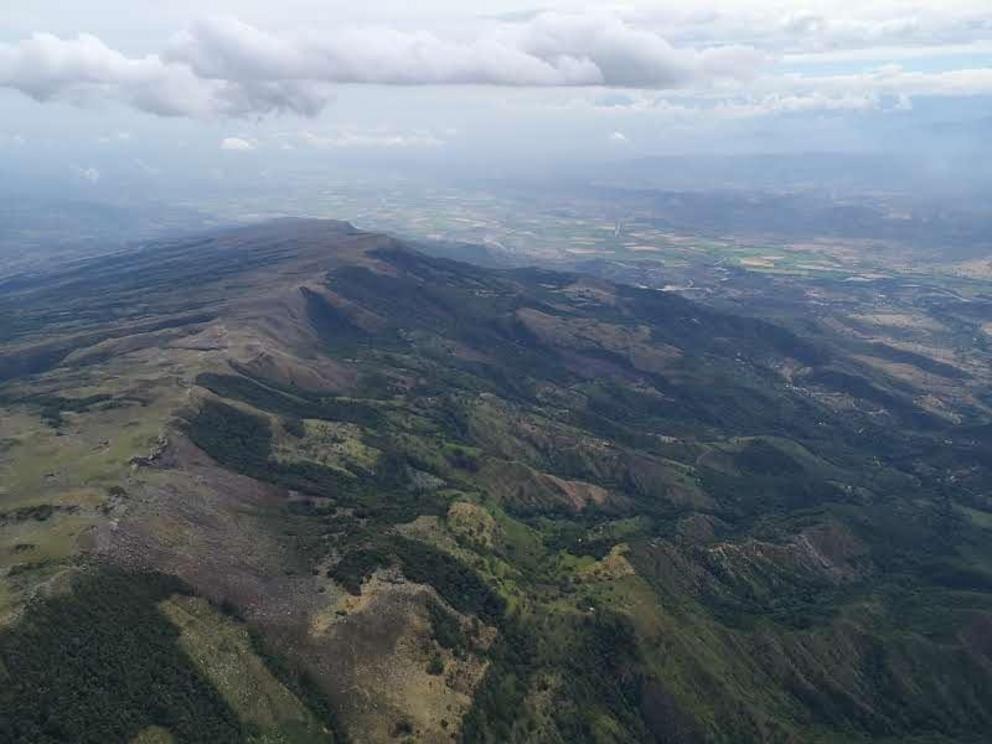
(500, 505)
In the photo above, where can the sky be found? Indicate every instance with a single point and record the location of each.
(107, 94)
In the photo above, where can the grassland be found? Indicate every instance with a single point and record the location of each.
(222, 650)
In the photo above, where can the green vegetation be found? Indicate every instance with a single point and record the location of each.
(459, 585)
(301, 684)
(296, 403)
(243, 442)
(646, 519)
(51, 407)
(232, 437)
(101, 664)
(222, 650)
(765, 489)
(595, 662)
(436, 665)
(445, 628)
(498, 702)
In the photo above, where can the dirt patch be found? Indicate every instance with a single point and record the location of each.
(522, 488)
(473, 523)
(614, 565)
(221, 532)
(901, 321)
(633, 342)
(375, 661)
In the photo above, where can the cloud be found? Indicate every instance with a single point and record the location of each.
(804, 23)
(615, 100)
(119, 136)
(90, 175)
(819, 25)
(894, 80)
(46, 67)
(889, 54)
(551, 49)
(84, 70)
(143, 167)
(236, 144)
(618, 138)
(659, 107)
(222, 66)
(358, 139)
(762, 57)
(796, 104)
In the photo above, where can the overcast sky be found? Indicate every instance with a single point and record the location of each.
(93, 89)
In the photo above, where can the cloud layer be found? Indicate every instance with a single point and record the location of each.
(84, 70)
(223, 66)
(838, 59)
(553, 49)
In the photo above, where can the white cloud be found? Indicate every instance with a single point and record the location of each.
(804, 23)
(796, 104)
(897, 81)
(236, 144)
(758, 56)
(818, 25)
(889, 88)
(889, 53)
(552, 49)
(145, 168)
(736, 106)
(85, 70)
(119, 136)
(90, 175)
(360, 139)
(618, 138)
(224, 66)
(46, 67)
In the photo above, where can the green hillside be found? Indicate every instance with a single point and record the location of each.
(297, 482)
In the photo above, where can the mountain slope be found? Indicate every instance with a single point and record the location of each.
(450, 501)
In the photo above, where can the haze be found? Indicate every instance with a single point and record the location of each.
(109, 99)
